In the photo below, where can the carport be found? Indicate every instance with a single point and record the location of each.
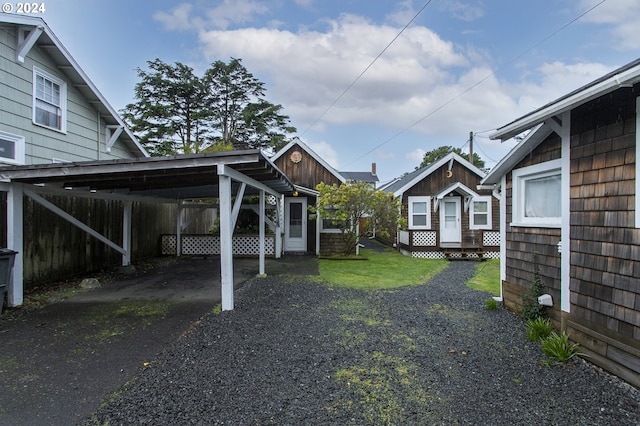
(226, 176)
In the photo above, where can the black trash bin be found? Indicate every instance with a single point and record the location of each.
(7, 257)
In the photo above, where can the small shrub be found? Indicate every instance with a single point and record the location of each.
(491, 304)
(538, 329)
(531, 309)
(557, 346)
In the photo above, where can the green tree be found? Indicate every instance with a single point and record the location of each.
(178, 112)
(170, 115)
(438, 153)
(241, 114)
(346, 204)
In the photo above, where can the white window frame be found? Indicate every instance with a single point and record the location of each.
(419, 199)
(18, 151)
(327, 230)
(520, 177)
(37, 72)
(472, 217)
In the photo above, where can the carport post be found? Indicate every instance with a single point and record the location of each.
(126, 232)
(179, 230)
(261, 232)
(15, 241)
(226, 235)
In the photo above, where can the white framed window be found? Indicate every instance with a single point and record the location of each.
(11, 148)
(419, 212)
(537, 195)
(480, 213)
(49, 101)
(327, 224)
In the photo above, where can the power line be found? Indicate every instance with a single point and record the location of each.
(468, 89)
(366, 69)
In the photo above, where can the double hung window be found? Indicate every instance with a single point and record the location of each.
(419, 212)
(49, 101)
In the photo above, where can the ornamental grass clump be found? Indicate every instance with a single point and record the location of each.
(539, 329)
(491, 304)
(557, 346)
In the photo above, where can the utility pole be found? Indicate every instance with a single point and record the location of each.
(471, 147)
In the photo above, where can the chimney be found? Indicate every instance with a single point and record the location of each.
(373, 169)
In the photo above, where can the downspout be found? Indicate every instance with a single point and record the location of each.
(98, 134)
(565, 235)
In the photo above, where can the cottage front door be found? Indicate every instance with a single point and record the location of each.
(295, 229)
(450, 223)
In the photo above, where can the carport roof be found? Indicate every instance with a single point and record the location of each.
(169, 178)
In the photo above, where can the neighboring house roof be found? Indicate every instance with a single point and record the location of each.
(297, 141)
(368, 177)
(42, 36)
(404, 183)
(623, 76)
(535, 120)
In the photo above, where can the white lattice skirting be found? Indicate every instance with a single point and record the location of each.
(424, 238)
(243, 245)
(440, 255)
(490, 238)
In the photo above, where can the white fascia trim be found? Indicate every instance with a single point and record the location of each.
(311, 152)
(637, 224)
(563, 105)
(435, 166)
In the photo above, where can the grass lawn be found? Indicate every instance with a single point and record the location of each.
(487, 277)
(388, 269)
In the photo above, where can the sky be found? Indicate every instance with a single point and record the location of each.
(366, 81)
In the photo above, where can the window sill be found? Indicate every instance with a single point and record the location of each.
(535, 225)
(62, 131)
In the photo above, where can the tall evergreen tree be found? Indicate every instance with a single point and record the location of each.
(178, 112)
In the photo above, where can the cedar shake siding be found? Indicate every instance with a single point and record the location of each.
(308, 172)
(522, 243)
(605, 243)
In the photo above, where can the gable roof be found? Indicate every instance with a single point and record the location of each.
(305, 147)
(42, 36)
(517, 153)
(399, 186)
(624, 76)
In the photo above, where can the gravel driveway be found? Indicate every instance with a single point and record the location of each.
(298, 352)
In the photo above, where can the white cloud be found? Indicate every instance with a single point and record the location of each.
(326, 152)
(235, 12)
(222, 16)
(416, 155)
(311, 69)
(465, 11)
(177, 20)
(621, 18)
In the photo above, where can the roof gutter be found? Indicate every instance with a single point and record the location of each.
(624, 78)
